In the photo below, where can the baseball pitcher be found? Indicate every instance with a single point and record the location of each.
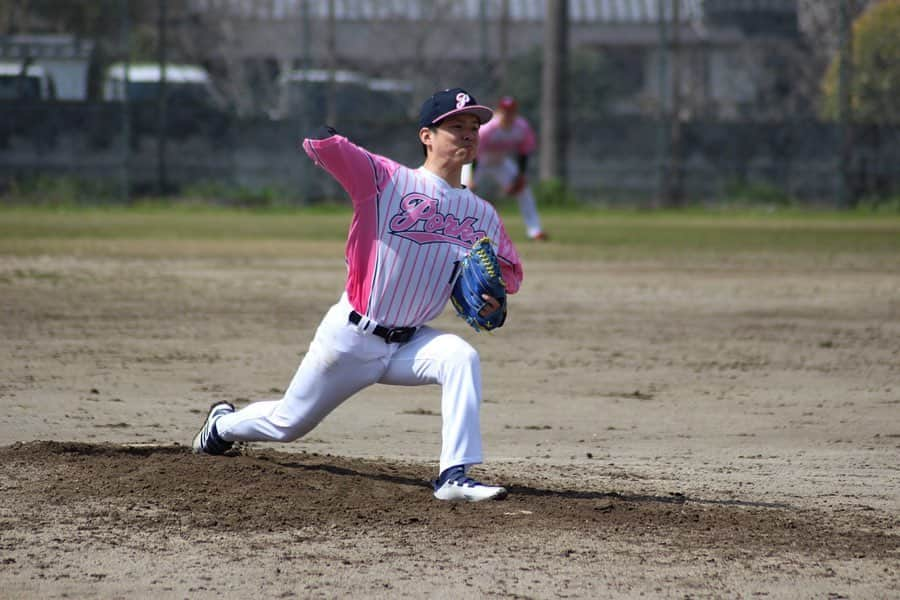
(411, 231)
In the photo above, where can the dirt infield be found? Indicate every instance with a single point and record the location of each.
(716, 428)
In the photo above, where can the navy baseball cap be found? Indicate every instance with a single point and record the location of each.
(454, 101)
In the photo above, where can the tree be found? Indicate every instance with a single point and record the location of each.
(862, 92)
(875, 90)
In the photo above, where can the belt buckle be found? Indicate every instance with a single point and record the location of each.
(399, 335)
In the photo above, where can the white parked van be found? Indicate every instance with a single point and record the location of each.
(183, 81)
(31, 83)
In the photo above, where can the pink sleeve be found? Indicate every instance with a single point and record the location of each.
(359, 172)
(529, 141)
(510, 264)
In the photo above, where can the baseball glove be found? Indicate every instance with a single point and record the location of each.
(479, 273)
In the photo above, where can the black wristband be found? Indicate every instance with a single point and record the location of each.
(323, 132)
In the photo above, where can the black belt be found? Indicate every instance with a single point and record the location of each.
(395, 335)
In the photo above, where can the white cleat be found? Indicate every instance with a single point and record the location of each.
(454, 485)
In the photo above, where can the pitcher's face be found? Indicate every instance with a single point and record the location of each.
(455, 139)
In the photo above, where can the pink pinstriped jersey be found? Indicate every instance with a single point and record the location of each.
(496, 143)
(409, 227)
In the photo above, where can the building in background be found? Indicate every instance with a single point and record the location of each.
(734, 57)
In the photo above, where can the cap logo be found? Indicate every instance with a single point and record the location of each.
(462, 99)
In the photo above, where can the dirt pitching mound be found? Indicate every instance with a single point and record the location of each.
(107, 487)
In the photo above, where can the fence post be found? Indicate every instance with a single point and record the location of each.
(675, 189)
(663, 131)
(162, 101)
(305, 123)
(845, 118)
(125, 35)
(553, 92)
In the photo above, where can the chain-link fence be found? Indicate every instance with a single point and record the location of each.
(669, 102)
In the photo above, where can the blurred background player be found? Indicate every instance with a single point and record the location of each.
(507, 141)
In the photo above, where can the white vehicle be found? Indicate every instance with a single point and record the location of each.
(32, 83)
(182, 81)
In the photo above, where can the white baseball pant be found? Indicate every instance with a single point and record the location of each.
(343, 359)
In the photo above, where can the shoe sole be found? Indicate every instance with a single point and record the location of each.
(500, 494)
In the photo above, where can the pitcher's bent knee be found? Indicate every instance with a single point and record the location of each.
(462, 354)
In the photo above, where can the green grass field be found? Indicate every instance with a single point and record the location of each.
(577, 233)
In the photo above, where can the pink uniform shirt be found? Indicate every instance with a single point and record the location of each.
(409, 227)
(496, 143)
